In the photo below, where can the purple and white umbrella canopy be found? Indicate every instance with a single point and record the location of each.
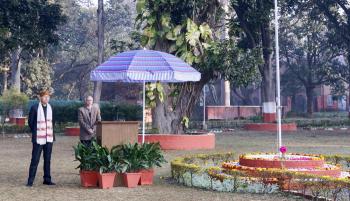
(145, 66)
(141, 66)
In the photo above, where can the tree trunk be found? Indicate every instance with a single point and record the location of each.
(100, 46)
(167, 118)
(349, 99)
(4, 81)
(309, 100)
(349, 81)
(293, 105)
(16, 69)
(268, 88)
(268, 79)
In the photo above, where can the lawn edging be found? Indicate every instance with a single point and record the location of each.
(204, 171)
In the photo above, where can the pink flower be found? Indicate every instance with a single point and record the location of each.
(283, 149)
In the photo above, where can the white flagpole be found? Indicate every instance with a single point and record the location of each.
(278, 84)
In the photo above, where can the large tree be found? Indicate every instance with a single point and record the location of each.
(100, 46)
(307, 53)
(77, 54)
(190, 30)
(252, 25)
(27, 26)
(338, 21)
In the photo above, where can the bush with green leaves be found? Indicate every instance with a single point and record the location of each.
(138, 156)
(105, 162)
(65, 111)
(12, 99)
(87, 156)
(131, 155)
(153, 154)
(97, 158)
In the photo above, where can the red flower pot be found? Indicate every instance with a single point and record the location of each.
(21, 121)
(106, 180)
(72, 131)
(146, 177)
(88, 178)
(12, 120)
(131, 179)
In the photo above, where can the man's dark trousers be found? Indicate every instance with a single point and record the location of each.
(87, 143)
(36, 153)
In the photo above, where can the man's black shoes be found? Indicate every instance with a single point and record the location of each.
(50, 183)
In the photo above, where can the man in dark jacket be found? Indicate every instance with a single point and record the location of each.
(40, 121)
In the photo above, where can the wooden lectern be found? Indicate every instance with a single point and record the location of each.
(111, 133)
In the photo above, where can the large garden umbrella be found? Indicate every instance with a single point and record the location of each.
(141, 66)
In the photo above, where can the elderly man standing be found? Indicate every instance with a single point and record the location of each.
(88, 116)
(41, 123)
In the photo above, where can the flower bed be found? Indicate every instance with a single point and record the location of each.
(205, 171)
(271, 160)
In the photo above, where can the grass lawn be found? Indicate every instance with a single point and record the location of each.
(15, 157)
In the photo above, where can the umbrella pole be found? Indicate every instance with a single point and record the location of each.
(143, 111)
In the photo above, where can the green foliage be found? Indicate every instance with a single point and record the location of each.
(87, 156)
(67, 111)
(131, 155)
(38, 76)
(209, 168)
(77, 53)
(130, 42)
(105, 162)
(29, 24)
(154, 91)
(189, 30)
(11, 99)
(337, 13)
(137, 157)
(185, 122)
(153, 154)
(173, 23)
(252, 16)
(238, 65)
(96, 158)
(15, 129)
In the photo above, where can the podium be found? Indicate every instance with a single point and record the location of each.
(111, 133)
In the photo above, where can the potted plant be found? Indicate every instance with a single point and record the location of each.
(153, 156)
(87, 158)
(132, 157)
(108, 167)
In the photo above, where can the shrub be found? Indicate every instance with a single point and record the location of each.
(138, 156)
(11, 100)
(67, 111)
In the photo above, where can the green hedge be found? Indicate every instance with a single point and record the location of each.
(67, 111)
(14, 129)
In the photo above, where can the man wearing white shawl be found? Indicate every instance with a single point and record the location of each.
(40, 121)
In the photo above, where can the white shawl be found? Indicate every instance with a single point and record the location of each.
(44, 132)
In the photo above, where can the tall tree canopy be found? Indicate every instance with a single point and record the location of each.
(251, 24)
(338, 21)
(26, 27)
(190, 30)
(307, 54)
